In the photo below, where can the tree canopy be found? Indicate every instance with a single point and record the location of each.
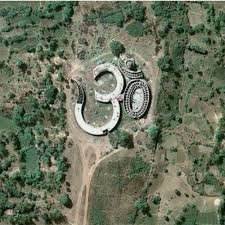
(117, 48)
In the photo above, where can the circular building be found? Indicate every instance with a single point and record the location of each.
(136, 98)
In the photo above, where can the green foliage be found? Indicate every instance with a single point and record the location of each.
(50, 94)
(165, 63)
(17, 114)
(118, 14)
(68, 11)
(221, 211)
(31, 159)
(220, 132)
(121, 138)
(6, 124)
(113, 18)
(64, 199)
(97, 217)
(173, 16)
(138, 11)
(142, 205)
(135, 29)
(34, 128)
(153, 131)
(166, 9)
(60, 77)
(5, 69)
(117, 48)
(197, 49)
(7, 29)
(177, 192)
(156, 199)
(55, 215)
(178, 55)
(3, 150)
(199, 28)
(220, 21)
(21, 65)
(188, 216)
(138, 167)
(210, 179)
(132, 217)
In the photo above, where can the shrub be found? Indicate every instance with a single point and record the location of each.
(3, 151)
(153, 131)
(21, 65)
(156, 199)
(210, 179)
(117, 48)
(138, 166)
(65, 200)
(121, 138)
(138, 11)
(165, 63)
(197, 49)
(142, 204)
(50, 94)
(135, 29)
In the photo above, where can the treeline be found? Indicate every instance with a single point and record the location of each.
(46, 11)
(120, 13)
(217, 157)
(173, 15)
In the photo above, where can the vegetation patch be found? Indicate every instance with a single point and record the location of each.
(6, 123)
(121, 138)
(31, 160)
(118, 14)
(135, 29)
(138, 167)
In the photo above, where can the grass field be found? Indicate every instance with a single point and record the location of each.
(207, 218)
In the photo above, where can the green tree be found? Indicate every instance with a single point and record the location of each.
(142, 204)
(117, 48)
(55, 215)
(153, 131)
(121, 138)
(17, 114)
(3, 150)
(65, 200)
(156, 199)
(138, 167)
(60, 77)
(165, 63)
(138, 11)
(21, 65)
(50, 94)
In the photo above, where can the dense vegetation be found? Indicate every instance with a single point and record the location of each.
(33, 167)
(121, 138)
(117, 48)
(119, 14)
(135, 29)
